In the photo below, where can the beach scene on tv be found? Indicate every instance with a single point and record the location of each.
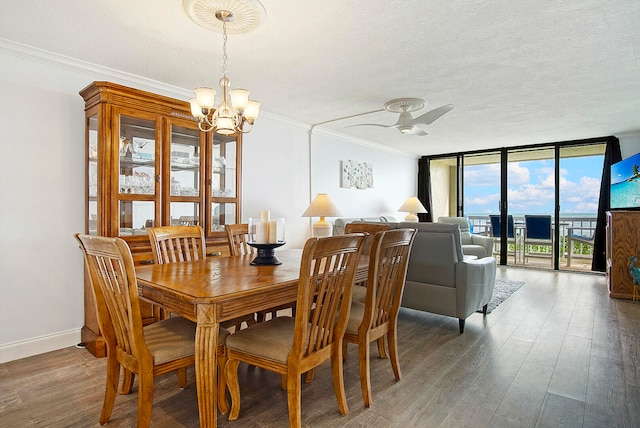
(625, 183)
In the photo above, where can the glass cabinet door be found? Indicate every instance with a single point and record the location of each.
(92, 175)
(185, 181)
(224, 180)
(137, 175)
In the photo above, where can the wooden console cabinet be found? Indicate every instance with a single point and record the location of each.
(623, 241)
(148, 164)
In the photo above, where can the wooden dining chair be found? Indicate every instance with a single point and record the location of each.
(148, 351)
(377, 317)
(359, 290)
(370, 228)
(176, 244)
(291, 346)
(238, 237)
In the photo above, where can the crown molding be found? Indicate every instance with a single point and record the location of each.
(92, 71)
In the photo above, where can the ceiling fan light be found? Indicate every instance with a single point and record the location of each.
(405, 129)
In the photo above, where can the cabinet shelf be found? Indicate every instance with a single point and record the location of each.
(134, 162)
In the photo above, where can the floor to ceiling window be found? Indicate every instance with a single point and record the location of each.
(546, 196)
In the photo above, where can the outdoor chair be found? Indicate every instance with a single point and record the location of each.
(538, 231)
(578, 238)
(292, 346)
(512, 237)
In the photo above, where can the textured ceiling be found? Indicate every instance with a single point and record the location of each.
(518, 72)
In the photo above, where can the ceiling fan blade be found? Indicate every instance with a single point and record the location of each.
(429, 117)
(417, 131)
(370, 124)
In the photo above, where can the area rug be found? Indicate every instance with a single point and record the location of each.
(501, 292)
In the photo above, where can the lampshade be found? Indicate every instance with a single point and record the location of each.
(321, 206)
(412, 206)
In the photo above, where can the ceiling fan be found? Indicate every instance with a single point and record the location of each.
(406, 123)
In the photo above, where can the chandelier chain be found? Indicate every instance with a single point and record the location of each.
(224, 48)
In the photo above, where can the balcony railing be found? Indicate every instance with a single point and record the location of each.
(536, 254)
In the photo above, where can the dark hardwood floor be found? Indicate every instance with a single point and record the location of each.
(558, 352)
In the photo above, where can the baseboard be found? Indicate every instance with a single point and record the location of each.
(38, 345)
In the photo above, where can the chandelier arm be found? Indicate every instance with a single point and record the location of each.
(202, 128)
(242, 131)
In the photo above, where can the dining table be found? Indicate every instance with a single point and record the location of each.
(216, 289)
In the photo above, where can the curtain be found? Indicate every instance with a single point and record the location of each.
(424, 189)
(612, 155)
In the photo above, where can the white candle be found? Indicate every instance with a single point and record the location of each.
(265, 216)
(262, 232)
(272, 230)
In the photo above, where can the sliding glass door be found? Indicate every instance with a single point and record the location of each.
(579, 187)
(539, 203)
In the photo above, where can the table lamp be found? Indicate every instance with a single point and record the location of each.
(322, 207)
(412, 206)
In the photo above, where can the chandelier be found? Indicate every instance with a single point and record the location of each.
(236, 111)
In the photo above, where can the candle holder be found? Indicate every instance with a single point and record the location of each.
(266, 253)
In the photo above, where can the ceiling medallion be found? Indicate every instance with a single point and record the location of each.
(246, 15)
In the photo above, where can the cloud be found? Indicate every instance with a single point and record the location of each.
(517, 174)
(482, 175)
(531, 188)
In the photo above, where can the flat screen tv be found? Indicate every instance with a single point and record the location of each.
(625, 183)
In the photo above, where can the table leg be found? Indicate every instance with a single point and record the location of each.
(206, 345)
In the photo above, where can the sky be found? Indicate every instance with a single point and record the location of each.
(531, 186)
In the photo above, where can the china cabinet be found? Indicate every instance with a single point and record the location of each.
(148, 164)
(623, 241)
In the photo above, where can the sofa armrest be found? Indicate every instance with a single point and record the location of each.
(475, 280)
(486, 241)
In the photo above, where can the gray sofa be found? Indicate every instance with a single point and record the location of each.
(338, 225)
(472, 245)
(440, 278)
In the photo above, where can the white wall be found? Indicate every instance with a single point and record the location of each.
(629, 144)
(42, 189)
(395, 176)
(275, 175)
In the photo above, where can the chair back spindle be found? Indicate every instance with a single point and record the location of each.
(238, 236)
(177, 244)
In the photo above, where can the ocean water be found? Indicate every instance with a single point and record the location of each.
(625, 194)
